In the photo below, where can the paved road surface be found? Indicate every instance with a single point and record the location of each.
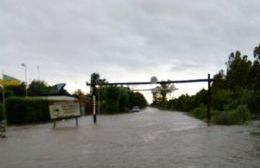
(151, 139)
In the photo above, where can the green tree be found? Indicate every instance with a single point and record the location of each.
(255, 70)
(220, 98)
(37, 88)
(257, 52)
(160, 93)
(15, 90)
(137, 99)
(157, 97)
(183, 103)
(80, 95)
(96, 79)
(165, 88)
(219, 81)
(112, 97)
(238, 70)
(201, 97)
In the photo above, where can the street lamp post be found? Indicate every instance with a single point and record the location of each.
(25, 77)
(38, 72)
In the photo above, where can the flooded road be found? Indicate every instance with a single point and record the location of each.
(147, 139)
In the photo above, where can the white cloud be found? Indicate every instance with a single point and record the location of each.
(124, 40)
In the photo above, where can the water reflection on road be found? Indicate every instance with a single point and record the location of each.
(147, 139)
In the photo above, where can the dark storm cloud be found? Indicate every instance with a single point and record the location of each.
(131, 39)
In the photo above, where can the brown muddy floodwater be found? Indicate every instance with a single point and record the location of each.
(151, 139)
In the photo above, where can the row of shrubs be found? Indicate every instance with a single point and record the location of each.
(1, 112)
(27, 110)
(225, 105)
(239, 115)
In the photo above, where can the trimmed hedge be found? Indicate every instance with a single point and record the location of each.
(1, 112)
(27, 110)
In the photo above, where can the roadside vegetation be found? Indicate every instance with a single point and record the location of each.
(235, 93)
(27, 110)
(113, 99)
(22, 110)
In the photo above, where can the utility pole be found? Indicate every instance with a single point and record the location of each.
(209, 101)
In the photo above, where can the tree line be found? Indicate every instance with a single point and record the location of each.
(113, 99)
(235, 92)
(35, 88)
(110, 100)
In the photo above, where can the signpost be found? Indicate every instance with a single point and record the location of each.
(64, 111)
(154, 80)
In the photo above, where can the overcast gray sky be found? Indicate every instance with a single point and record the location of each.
(124, 40)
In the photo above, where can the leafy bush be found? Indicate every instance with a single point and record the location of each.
(27, 110)
(199, 112)
(220, 98)
(183, 103)
(238, 116)
(223, 118)
(241, 114)
(254, 103)
(137, 99)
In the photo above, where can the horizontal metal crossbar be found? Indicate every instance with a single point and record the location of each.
(150, 83)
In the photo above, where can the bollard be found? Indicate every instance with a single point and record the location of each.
(77, 124)
(54, 124)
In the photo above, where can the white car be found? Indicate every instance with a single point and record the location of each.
(135, 109)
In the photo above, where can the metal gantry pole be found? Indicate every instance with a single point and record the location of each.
(99, 100)
(93, 86)
(209, 101)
